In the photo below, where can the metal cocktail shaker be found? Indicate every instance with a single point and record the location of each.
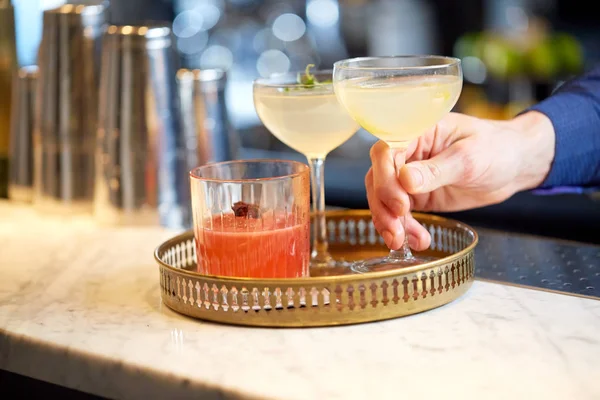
(20, 184)
(8, 67)
(141, 168)
(66, 107)
(209, 136)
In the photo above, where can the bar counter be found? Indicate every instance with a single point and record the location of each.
(80, 307)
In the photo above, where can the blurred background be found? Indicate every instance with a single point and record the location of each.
(514, 53)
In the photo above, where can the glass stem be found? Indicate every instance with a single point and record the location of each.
(320, 254)
(404, 253)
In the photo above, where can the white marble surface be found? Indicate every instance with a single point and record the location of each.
(70, 316)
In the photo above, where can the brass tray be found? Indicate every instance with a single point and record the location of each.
(325, 300)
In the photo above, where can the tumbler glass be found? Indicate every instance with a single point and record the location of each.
(251, 218)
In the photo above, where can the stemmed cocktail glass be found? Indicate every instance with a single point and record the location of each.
(303, 112)
(397, 99)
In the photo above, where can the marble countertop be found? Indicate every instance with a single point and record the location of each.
(80, 307)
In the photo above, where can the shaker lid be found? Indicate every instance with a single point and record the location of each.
(207, 80)
(150, 31)
(28, 72)
(88, 8)
(203, 75)
(92, 13)
(151, 35)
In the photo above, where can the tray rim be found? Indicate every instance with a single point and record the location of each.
(332, 278)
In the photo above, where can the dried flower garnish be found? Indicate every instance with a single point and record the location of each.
(242, 209)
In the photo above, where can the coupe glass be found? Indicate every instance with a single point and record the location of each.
(397, 99)
(308, 118)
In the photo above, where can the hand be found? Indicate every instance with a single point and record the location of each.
(462, 163)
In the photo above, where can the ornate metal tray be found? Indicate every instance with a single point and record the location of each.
(324, 300)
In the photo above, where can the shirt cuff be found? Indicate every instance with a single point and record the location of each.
(565, 190)
(577, 144)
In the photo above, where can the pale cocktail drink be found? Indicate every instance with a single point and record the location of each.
(310, 121)
(398, 110)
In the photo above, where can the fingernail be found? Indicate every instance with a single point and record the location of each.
(388, 238)
(413, 242)
(415, 176)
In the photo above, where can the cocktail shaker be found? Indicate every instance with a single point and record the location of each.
(20, 184)
(209, 136)
(141, 167)
(8, 67)
(66, 107)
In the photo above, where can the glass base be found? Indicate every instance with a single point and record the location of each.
(388, 263)
(330, 267)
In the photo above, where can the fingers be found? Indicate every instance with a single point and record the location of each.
(386, 222)
(419, 238)
(390, 226)
(386, 187)
(448, 167)
(455, 151)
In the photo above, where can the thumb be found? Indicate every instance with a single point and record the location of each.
(446, 168)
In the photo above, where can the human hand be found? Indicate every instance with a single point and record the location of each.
(461, 163)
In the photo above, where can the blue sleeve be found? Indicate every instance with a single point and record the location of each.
(574, 109)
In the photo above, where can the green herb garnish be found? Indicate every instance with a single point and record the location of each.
(308, 80)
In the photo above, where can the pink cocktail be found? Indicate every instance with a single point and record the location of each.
(259, 248)
(252, 219)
